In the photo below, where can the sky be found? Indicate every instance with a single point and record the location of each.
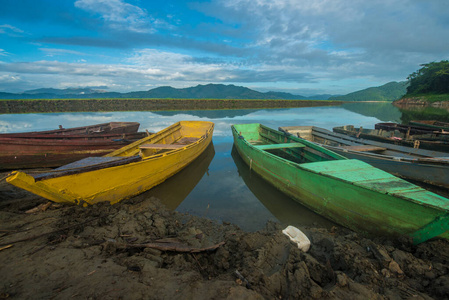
(305, 47)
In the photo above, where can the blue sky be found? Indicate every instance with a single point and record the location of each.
(304, 47)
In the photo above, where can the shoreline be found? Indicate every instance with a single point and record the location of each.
(108, 252)
(97, 105)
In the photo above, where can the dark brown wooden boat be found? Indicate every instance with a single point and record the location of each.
(62, 146)
(431, 124)
(418, 141)
(111, 128)
(412, 129)
(428, 166)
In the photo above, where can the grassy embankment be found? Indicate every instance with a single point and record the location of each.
(92, 105)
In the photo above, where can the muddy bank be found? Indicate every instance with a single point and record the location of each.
(420, 102)
(94, 105)
(138, 249)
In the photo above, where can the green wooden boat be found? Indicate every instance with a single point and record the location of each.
(347, 191)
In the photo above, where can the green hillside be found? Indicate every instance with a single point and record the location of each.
(387, 92)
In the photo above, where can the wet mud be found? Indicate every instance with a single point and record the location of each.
(138, 249)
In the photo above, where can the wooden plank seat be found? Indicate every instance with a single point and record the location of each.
(178, 144)
(87, 164)
(187, 140)
(279, 146)
(365, 148)
(160, 146)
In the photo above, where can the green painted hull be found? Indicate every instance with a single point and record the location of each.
(349, 192)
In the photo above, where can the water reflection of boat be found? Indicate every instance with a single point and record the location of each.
(281, 206)
(174, 190)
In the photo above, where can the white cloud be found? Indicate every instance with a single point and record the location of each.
(119, 14)
(7, 78)
(10, 30)
(3, 53)
(55, 51)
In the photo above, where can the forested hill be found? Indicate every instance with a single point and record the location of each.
(208, 91)
(387, 92)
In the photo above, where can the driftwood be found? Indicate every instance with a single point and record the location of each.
(6, 247)
(175, 247)
(39, 208)
(243, 279)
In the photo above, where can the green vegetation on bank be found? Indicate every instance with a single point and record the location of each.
(94, 105)
(431, 79)
(387, 92)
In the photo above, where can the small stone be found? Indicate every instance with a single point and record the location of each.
(394, 268)
(342, 280)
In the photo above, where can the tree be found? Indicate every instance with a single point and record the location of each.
(432, 78)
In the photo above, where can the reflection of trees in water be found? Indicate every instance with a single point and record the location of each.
(384, 111)
(423, 113)
(387, 112)
(214, 114)
(284, 208)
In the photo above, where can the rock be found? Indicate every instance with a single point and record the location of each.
(394, 268)
(342, 280)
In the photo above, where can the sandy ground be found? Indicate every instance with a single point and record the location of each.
(137, 249)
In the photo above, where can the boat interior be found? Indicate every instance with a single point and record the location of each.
(391, 134)
(288, 147)
(171, 138)
(332, 139)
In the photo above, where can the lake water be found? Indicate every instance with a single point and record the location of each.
(219, 185)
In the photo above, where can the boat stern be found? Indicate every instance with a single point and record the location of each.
(28, 183)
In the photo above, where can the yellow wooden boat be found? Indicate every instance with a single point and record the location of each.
(123, 173)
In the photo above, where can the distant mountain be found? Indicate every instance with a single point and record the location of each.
(387, 92)
(208, 91)
(68, 91)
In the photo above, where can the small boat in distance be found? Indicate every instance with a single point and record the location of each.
(54, 148)
(348, 191)
(421, 141)
(123, 173)
(430, 167)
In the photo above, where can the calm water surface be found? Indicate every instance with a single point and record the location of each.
(219, 185)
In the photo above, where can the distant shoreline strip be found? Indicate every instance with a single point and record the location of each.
(97, 105)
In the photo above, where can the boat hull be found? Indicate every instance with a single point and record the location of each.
(429, 142)
(80, 132)
(55, 150)
(433, 124)
(345, 192)
(114, 184)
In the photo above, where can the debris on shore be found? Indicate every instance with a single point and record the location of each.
(139, 249)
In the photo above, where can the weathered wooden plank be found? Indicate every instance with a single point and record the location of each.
(366, 148)
(160, 146)
(279, 146)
